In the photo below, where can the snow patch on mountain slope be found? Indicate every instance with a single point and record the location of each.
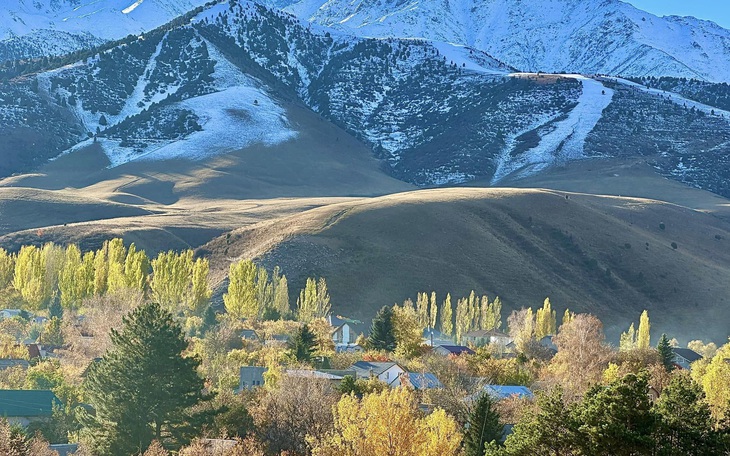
(60, 26)
(673, 96)
(566, 139)
(582, 36)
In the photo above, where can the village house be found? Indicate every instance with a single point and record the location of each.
(335, 376)
(433, 338)
(344, 330)
(10, 313)
(684, 357)
(456, 350)
(23, 407)
(387, 372)
(418, 381)
(484, 337)
(250, 335)
(251, 377)
(8, 363)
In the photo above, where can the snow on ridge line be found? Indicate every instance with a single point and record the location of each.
(567, 139)
(673, 96)
(131, 7)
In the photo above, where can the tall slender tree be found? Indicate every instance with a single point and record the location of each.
(643, 337)
(666, 354)
(483, 426)
(446, 316)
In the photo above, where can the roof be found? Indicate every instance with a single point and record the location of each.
(456, 349)
(327, 374)
(363, 368)
(249, 334)
(425, 380)
(506, 391)
(339, 321)
(486, 333)
(27, 403)
(6, 363)
(686, 353)
(64, 449)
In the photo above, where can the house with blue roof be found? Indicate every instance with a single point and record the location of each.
(23, 407)
(419, 381)
(500, 392)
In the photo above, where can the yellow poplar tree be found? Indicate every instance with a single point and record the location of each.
(29, 276)
(101, 270)
(136, 269)
(7, 268)
(422, 304)
(72, 279)
(715, 381)
(200, 291)
(463, 318)
(407, 329)
(447, 319)
(433, 314)
(545, 321)
(643, 338)
(388, 423)
(281, 296)
(240, 301)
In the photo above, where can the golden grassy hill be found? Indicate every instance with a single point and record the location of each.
(605, 255)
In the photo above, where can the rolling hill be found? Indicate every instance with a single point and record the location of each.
(605, 255)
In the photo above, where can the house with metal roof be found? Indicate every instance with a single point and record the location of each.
(684, 357)
(387, 372)
(419, 381)
(25, 406)
(345, 330)
(8, 363)
(499, 392)
(456, 350)
(483, 337)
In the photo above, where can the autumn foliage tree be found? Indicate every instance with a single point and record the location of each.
(390, 424)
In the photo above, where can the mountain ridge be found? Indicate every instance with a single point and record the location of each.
(566, 36)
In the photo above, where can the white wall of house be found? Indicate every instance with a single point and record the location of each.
(391, 375)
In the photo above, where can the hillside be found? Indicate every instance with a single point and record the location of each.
(605, 255)
(589, 37)
(43, 28)
(436, 114)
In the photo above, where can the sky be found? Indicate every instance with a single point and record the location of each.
(714, 10)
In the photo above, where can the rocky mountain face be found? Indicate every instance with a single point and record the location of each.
(38, 28)
(576, 36)
(435, 113)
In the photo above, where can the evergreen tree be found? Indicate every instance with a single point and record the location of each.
(303, 344)
(447, 319)
(143, 389)
(483, 426)
(665, 353)
(643, 337)
(382, 336)
(618, 419)
(687, 427)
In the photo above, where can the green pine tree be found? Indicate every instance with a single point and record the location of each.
(665, 353)
(144, 389)
(303, 344)
(382, 336)
(687, 427)
(483, 426)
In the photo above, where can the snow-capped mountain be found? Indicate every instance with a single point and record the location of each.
(34, 28)
(435, 113)
(581, 36)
